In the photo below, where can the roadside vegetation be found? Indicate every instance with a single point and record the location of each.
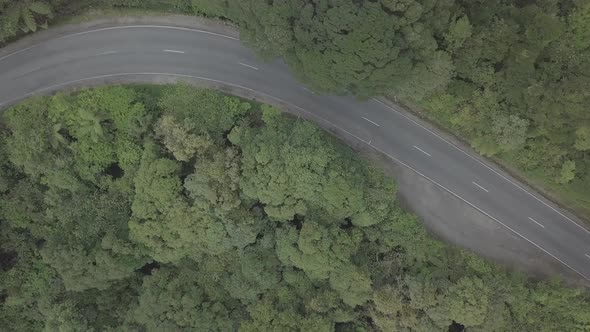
(18, 17)
(508, 77)
(169, 208)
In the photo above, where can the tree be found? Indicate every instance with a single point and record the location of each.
(274, 226)
(178, 139)
(22, 15)
(265, 316)
(578, 23)
(568, 172)
(157, 204)
(362, 47)
(258, 272)
(87, 242)
(215, 182)
(171, 299)
(582, 139)
(353, 286)
(202, 112)
(459, 31)
(465, 302)
(510, 131)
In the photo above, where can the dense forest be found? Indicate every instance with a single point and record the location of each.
(508, 76)
(511, 77)
(167, 208)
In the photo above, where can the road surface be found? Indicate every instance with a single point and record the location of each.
(164, 50)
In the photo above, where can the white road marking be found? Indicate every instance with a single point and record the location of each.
(108, 52)
(376, 100)
(122, 27)
(106, 76)
(308, 90)
(281, 101)
(587, 255)
(480, 187)
(481, 211)
(373, 122)
(483, 164)
(247, 65)
(536, 222)
(173, 51)
(426, 153)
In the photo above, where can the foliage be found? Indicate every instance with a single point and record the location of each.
(508, 77)
(518, 90)
(211, 213)
(24, 15)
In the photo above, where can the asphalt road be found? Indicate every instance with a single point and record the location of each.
(148, 50)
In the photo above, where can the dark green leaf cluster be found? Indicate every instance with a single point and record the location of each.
(364, 47)
(174, 209)
(22, 16)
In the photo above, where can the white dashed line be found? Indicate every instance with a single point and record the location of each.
(587, 255)
(185, 76)
(536, 222)
(173, 51)
(483, 164)
(308, 90)
(373, 122)
(321, 119)
(108, 52)
(247, 65)
(119, 28)
(483, 212)
(426, 153)
(480, 187)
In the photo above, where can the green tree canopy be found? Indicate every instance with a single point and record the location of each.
(110, 219)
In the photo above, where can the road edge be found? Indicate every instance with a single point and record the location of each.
(180, 21)
(504, 172)
(224, 28)
(213, 26)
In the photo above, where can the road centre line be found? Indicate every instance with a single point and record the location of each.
(480, 187)
(173, 51)
(321, 119)
(426, 153)
(247, 65)
(373, 122)
(587, 255)
(536, 222)
(481, 211)
(482, 163)
(145, 26)
(63, 84)
(308, 90)
(376, 100)
(108, 52)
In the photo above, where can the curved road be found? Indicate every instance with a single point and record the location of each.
(147, 50)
